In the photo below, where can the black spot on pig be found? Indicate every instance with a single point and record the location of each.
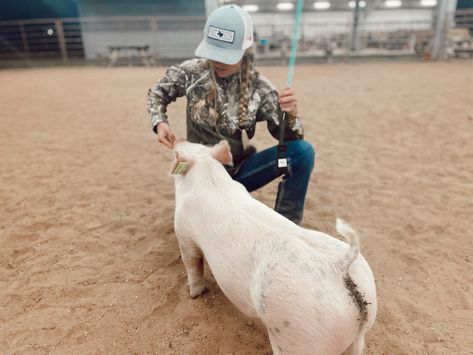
(357, 297)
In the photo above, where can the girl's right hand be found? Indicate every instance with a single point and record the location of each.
(165, 135)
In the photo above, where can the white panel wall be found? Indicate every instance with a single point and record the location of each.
(165, 43)
(388, 20)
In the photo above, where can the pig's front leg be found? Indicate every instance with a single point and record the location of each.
(274, 344)
(194, 262)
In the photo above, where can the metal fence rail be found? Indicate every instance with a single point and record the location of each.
(464, 19)
(41, 39)
(320, 40)
(164, 39)
(460, 40)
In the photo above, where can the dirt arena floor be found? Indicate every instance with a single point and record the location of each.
(89, 262)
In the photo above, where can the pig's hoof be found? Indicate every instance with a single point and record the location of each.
(196, 291)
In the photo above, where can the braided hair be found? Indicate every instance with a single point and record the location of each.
(247, 74)
(207, 106)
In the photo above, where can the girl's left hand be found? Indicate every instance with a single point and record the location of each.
(288, 102)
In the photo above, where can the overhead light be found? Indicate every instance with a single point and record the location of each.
(50, 31)
(393, 3)
(285, 6)
(353, 3)
(428, 3)
(250, 8)
(321, 5)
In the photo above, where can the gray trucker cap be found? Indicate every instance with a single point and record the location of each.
(228, 33)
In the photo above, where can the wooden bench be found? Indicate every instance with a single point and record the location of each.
(131, 54)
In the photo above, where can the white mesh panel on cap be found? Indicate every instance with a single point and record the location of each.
(248, 39)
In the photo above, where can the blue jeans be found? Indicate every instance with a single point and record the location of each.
(260, 169)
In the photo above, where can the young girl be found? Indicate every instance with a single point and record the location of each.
(226, 97)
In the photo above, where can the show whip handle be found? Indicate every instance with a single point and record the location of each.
(281, 166)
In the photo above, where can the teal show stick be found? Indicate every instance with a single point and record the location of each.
(295, 32)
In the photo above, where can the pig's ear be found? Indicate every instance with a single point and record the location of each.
(222, 153)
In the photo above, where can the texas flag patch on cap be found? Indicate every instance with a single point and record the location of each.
(221, 34)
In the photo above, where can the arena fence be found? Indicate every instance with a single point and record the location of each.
(29, 40)
(460, 38)
(158, 40)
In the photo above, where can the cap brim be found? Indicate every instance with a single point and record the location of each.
(222, 55)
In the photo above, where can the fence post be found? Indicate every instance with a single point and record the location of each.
(441, 29)
(210, 5)
(61, 40)
(355, 40)
(24, 39)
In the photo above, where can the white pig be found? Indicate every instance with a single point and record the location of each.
(314, 293)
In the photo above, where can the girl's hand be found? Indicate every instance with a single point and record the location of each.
(165, 135)
(288, 102)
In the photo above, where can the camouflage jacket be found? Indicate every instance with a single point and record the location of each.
(192, 79)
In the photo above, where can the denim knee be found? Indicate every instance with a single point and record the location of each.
(301, 154)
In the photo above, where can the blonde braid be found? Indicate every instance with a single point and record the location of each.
(246, 77)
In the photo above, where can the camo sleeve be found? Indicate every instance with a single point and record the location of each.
(171, 86)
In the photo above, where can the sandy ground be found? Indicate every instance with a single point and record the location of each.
(89, 262)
